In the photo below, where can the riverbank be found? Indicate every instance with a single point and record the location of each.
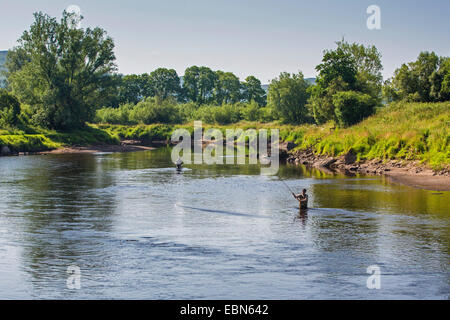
(411, 173)
(123, 147)
(401, 141)
(31, 140)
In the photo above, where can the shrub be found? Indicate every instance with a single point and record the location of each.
(226, 114)
(288, 95)
(9, 109)
(119, 115)
(351, 107)
(151, 111)
(251, 111)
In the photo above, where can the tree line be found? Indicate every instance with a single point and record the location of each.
(60, 76)
(199, 84)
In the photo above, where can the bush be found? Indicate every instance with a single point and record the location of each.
(9, 109)
(226, 114)
(288, 95)
(351, 107)
(211, 114)
(251, 112)
(267, 114)
(153, 111)
(145, 112)
(119, 115)
(168, 111)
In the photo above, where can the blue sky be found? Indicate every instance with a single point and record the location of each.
(260, 38)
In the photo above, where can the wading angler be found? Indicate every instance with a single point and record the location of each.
(251, 144)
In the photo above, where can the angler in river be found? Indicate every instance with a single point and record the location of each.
(302, 199)
(179, 164)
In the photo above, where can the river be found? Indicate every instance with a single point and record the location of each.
(137, 229)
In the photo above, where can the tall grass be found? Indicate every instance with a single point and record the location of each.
(33, 139)
(412, 131)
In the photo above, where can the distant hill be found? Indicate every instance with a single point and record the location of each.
(2, 68)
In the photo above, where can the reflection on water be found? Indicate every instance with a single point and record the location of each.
(137, 229)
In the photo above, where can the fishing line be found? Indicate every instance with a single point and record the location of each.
(287, 186)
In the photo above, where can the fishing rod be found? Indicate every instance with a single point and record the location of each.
(287, 186)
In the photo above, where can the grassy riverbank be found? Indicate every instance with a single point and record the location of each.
(32, 139)
(412, 131)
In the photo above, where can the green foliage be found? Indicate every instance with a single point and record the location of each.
(28, 143)
(210, 114)
(202, 85)
(153, 111)
(288, 95)
(367, 61)
(9, 109)
(412, 131)
(198, 84)
(267, 114)
(351, 107)
(161, 83)
(321, 102)
(62, 72)
(226, 114)
(252, 91)
(227, 88)
(335, 64)
(350, 67)
(251, 111)
(165, 83)
(133, 88)
(120, 115)
(424, 80)
(145, 133)
(85, 136)
(40, 139)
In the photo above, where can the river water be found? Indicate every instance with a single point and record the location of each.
(138, 230)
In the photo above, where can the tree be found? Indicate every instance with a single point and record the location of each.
(164, 83)
(424, 80)
(367, 61)
(335, 64)
(198, 84)
(61, 71)
(252, 91)
(227, 88)
(288, 95)
(9, 108)
(441, 91)
(190, 83)
(206, 81)
(440, 81)
(133, 88)
(321, 103)
(351, 107)
(350, 67)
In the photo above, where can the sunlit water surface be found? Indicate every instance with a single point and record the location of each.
(139, 230)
